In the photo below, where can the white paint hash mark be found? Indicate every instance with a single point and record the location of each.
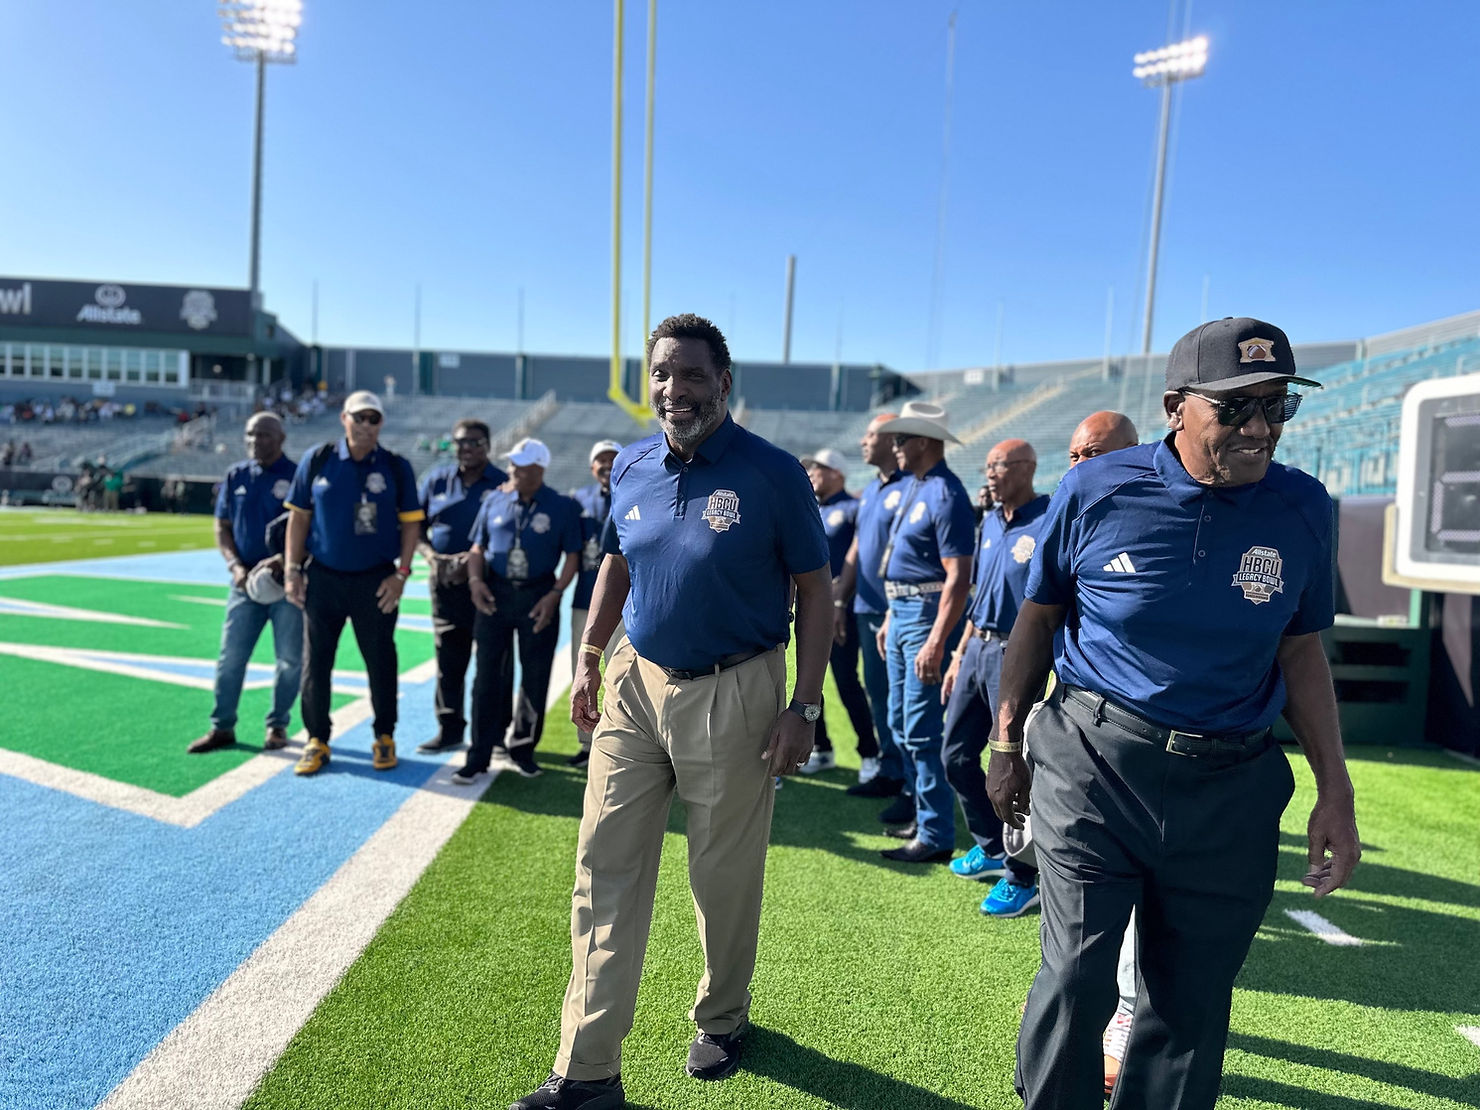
(1323, 928)
(1470, 1033)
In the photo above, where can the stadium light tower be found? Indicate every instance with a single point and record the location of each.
(260, 31)
(1162, 69)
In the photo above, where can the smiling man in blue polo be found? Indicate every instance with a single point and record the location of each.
(1191, 578)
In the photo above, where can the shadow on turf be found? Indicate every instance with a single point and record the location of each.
(1377, 874)
(1464, 1091)
(836, 1082)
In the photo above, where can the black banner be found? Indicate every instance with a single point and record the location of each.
(119, 309)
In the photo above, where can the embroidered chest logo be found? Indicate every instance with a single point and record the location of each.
(540, 523)
(1022, 551)
(891, 499)
(917, 513)
(835, 518)
(1259, 571)
(280, 488)
(723, 509)
(375, 483)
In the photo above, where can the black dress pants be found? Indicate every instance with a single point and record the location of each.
(496, 634)
(453, 617)
(334, 597)
(844, 663)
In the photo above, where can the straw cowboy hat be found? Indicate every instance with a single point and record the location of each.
(919, 418)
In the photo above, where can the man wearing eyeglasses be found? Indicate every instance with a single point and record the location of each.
(450, 497)
(354, 510)
(1191, 579)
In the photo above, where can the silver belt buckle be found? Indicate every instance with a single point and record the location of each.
(1172, 739)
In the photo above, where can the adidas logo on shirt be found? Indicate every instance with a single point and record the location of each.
(633, 514)
(1121, 564)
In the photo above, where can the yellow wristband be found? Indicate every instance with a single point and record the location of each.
(1004, 746)
(592, 649)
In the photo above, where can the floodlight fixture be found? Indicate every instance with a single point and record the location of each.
(1178, 62)
(262, 30)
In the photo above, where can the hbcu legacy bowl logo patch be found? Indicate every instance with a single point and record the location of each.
(722, 510)
(1259, 570)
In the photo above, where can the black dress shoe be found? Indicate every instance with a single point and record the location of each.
(439, 743)
(917, 851)
(905, 833)
(880, 786)
(899, 812)
(560, 1093)
(715, 1055)
(216, 738)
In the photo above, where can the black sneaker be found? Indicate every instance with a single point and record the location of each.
(439, 743)
(880, 786)
(523, 761)
(899, 812)
(715, 1056)
(580, 759)
(560, 1093)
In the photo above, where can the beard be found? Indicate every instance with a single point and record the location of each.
(690, 434)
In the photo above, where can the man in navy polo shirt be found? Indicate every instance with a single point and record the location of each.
(712, 527)
(354, 510)
(1004, 550)
(1192, 578)
(927, 574)
(251, 496)
(596, 506)
(839, 515)
(450, 496)
(518, 538)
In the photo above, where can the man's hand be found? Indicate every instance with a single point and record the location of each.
(840, 626)
(790, 745)
(948, 683)
(482, 597)
(585, 714)
(881, 638)
(1008, 785)
(928, 660)
(1332, 829)
(388, 593)
(545, 610)
(239, 572)
(295, 586)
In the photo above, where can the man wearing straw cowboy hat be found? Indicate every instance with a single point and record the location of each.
(926, 567)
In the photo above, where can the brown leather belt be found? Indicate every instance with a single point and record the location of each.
(1175, 741)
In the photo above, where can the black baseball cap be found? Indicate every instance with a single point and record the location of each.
(1231, 353)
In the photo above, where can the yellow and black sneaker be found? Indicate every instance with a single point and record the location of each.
(383, 753)
(315, 755)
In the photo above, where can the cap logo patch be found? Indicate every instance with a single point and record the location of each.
(1259, 571)
(1256, 350)
(1022, 551)
(723, 509)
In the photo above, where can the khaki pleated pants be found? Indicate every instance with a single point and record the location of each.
(704, 738)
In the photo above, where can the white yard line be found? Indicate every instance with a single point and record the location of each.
(1324, 929)
(199, 600)
(1470, 1033)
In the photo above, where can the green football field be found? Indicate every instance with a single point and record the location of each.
(50, 535)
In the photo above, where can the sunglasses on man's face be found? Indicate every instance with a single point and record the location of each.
(901, 439)
(1233, 412)
(469, 442)
(368, 417)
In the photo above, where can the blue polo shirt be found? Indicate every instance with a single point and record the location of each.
(1179, 594)
(711, 545)
(1004, 554)
(596, 506)
(451, 507)
(839, 519)
(935, 522)
(250, 498)
(877, 505)
(548, 524)
(342, 485)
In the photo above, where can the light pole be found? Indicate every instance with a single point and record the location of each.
(260, 31)
(1162, 69)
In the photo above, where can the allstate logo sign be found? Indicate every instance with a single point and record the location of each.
(198, 309)
(109, 308)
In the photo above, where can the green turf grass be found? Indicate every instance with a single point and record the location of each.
(881, 987)
(52, 535)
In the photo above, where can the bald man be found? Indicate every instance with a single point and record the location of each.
(1099, 433)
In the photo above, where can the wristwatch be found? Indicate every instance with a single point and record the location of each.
(807, 711)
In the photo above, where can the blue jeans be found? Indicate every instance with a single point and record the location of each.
(245, 620)
(876, 685)
(918, 719)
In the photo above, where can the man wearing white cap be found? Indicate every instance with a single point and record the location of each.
(839, 510)
(596, 505)
(518, 537)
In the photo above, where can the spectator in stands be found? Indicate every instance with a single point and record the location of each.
(251, 497)
(518, 537)
(112, 489)
(7, 453)
(24, 455)
(354, 510)
(596, 505)
(451, 495)
(839, 511)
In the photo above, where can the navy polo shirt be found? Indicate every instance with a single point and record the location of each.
(596, 506)
(1004, 554)
(1178, 593)
(549, 523)
(250, 498)
(935, 522)
(839, 519)
(711, 545)
(451, 507)
(877, 505)
(343, 484)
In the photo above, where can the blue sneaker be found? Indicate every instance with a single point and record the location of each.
(976, 864)
(1010, 899)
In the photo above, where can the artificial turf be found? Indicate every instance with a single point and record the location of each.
(46, 535)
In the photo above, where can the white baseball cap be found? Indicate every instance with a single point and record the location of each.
(362, 400)
(529, 452)
(827, 457)
(602, 448)
(262, 586)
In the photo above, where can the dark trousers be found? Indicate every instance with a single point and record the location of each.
(969, 717)
(1192, 842)
(333, 598)
(453, 617)
(493, 683)
(844, 663)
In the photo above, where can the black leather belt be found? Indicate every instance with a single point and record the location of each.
(912, 589)
(724, 664)
(1174, 740)
(988, 635)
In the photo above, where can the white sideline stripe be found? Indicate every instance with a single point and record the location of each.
(1323, 928)
(200, 600)
(16, 607)
(1470, 1033)
(216, 1057)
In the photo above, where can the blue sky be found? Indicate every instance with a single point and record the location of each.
(1324, 172)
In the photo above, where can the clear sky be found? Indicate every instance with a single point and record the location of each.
(1324, 173)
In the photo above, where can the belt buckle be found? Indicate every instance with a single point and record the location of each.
(1172, 741)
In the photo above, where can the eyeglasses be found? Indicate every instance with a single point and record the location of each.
(369, 416)
(1233, 412)
(901, 439)
(470, 441)
(1001, 467)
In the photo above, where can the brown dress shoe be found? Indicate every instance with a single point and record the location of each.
(216, 738)
(276, 738)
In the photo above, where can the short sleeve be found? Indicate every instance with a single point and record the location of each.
(800, 535)
(1317, 608)
(478, 533)
(223, 510)
(424, 492)
(571, 538)
(408, 504)
(300, 496)
(955, 525)
(611, 543)
(1051, 573)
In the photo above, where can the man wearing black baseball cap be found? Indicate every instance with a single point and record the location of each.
(1199, 573)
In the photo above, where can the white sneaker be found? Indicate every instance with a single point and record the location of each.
(818, 761)
(1117, 1036)
(868, 769)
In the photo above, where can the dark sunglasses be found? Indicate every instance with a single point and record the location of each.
(901, 439)
(1232, 412)
(370, 416)
(470, 441)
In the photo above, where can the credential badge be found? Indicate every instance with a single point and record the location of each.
(723, 509)
(1256, 350)
(375, 483)
(1022, 551)
(1259, 574)
(280, 489)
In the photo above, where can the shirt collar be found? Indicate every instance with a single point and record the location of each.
(711, 449)
(890, 479)
(841, 495)
(1025, 513)
(1185, 489)
(345, 456)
